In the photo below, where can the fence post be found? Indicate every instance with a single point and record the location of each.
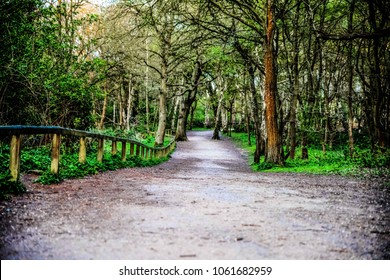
(124, 151)
(147, 153)
(100, 150)
(14, 163)
(114, 148)
(82, 151)
(55, 154)
(132, 149)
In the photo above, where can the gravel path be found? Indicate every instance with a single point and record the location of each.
(204, 203)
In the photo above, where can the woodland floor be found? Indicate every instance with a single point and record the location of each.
(204, 203)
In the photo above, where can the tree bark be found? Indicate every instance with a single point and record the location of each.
(217, 121)
(186, 102)
(379, 137)
(273, 151)
(129, 104)
(181, 134)
(192, 114)
(294, 101)
(176, 108)
(247, 117)
(350, 83)
(160, 133)
(104, 110)
(256, 114)
(326, 118)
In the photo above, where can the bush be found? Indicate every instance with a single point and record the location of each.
(367, 159)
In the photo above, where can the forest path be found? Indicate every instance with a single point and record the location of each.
(204, 203)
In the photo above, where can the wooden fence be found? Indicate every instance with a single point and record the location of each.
(16, 133)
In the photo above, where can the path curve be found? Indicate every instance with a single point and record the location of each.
(204, 203)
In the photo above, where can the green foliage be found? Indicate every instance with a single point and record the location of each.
(47, 78)
(367, 159)
(4, 157)
(337, 161)
(6, 186)
(35, 159)
(264, 166)
(70, 167)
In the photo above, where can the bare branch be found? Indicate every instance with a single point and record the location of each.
(384, 33)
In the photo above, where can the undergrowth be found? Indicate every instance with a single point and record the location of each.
(37, 160)
(364, 163)
(6, 186)
(71, 168)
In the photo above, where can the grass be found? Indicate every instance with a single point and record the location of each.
(334, 161)
(201, 129)
(71, 168)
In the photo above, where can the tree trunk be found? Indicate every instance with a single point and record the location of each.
(147, 113)
(350, 83)
(217, 119)
(176, 109)
(294, 101)
(230, 121)
(104, 109)
(293, 110)
(188, 100)
(256, 114)
(326, 119)
(207, 121)
(247, 118)
(379, 136)
(192, 113)
(273, 151)
(114, 114)
(224, 119)
(129, 103)
(181, 134)
(160, 133)
(121, 105)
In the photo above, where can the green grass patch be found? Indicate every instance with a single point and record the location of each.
(200, 129)
(335, 161)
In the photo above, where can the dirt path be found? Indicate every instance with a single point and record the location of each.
(205, 203)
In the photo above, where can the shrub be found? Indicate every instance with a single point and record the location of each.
(367, 159)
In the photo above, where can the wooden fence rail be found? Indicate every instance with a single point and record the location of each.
(16, 132)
